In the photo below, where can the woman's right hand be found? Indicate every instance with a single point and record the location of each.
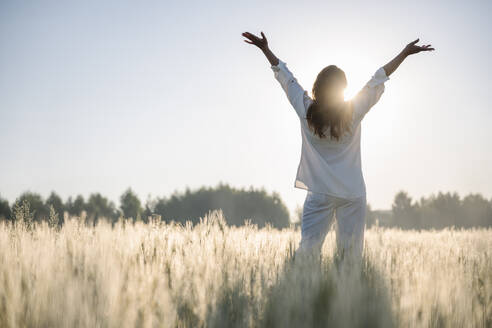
(253, 39)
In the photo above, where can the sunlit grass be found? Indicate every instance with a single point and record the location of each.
(213, 275)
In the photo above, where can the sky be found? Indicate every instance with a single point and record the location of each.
(99, 96)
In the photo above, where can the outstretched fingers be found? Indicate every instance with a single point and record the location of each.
(250, 36)
(426, 48)
(414, 48)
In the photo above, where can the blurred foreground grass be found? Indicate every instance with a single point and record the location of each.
(213, 275)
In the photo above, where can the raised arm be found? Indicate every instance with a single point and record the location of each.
(296, 95)
(410, 49)
(370, 94)
(263, 45)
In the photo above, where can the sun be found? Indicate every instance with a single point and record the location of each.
(357, 72)
(347, 94)
(355, 82)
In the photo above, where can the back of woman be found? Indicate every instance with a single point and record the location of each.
(330, 165)
(330, 160)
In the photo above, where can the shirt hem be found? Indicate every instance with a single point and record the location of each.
(342, 196)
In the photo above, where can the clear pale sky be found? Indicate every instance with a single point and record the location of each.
(97, 96)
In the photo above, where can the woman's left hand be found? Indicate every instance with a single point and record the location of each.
(412, 48)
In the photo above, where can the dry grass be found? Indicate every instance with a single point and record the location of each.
(212, 275)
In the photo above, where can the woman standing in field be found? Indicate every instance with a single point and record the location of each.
(330, 165)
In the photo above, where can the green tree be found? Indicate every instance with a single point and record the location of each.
(37, 206)
(477, 211)
(149, 209)
(5, 212)
(99, 207)
(237, 205)
(130, 205)
(77, 206)
(405, 213)
(441, 210)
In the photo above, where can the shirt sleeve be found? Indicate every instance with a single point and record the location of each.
(369, 95)
(296, 95)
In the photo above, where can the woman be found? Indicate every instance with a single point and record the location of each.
(330, 164)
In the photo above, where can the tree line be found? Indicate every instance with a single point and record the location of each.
(437, 211)
(238, 205)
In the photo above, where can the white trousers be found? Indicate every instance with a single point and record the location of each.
(317, 216)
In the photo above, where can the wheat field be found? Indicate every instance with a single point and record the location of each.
(214, 275)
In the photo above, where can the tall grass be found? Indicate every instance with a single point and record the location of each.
(213, 275)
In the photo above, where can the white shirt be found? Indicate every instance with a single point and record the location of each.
(327, 165)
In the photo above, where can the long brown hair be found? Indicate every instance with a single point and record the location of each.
(328, 108)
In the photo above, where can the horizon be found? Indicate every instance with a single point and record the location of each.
(143, 200)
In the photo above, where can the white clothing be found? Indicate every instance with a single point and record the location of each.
(317, 216)
(329, 166)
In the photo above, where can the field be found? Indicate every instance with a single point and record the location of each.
(213, 275)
